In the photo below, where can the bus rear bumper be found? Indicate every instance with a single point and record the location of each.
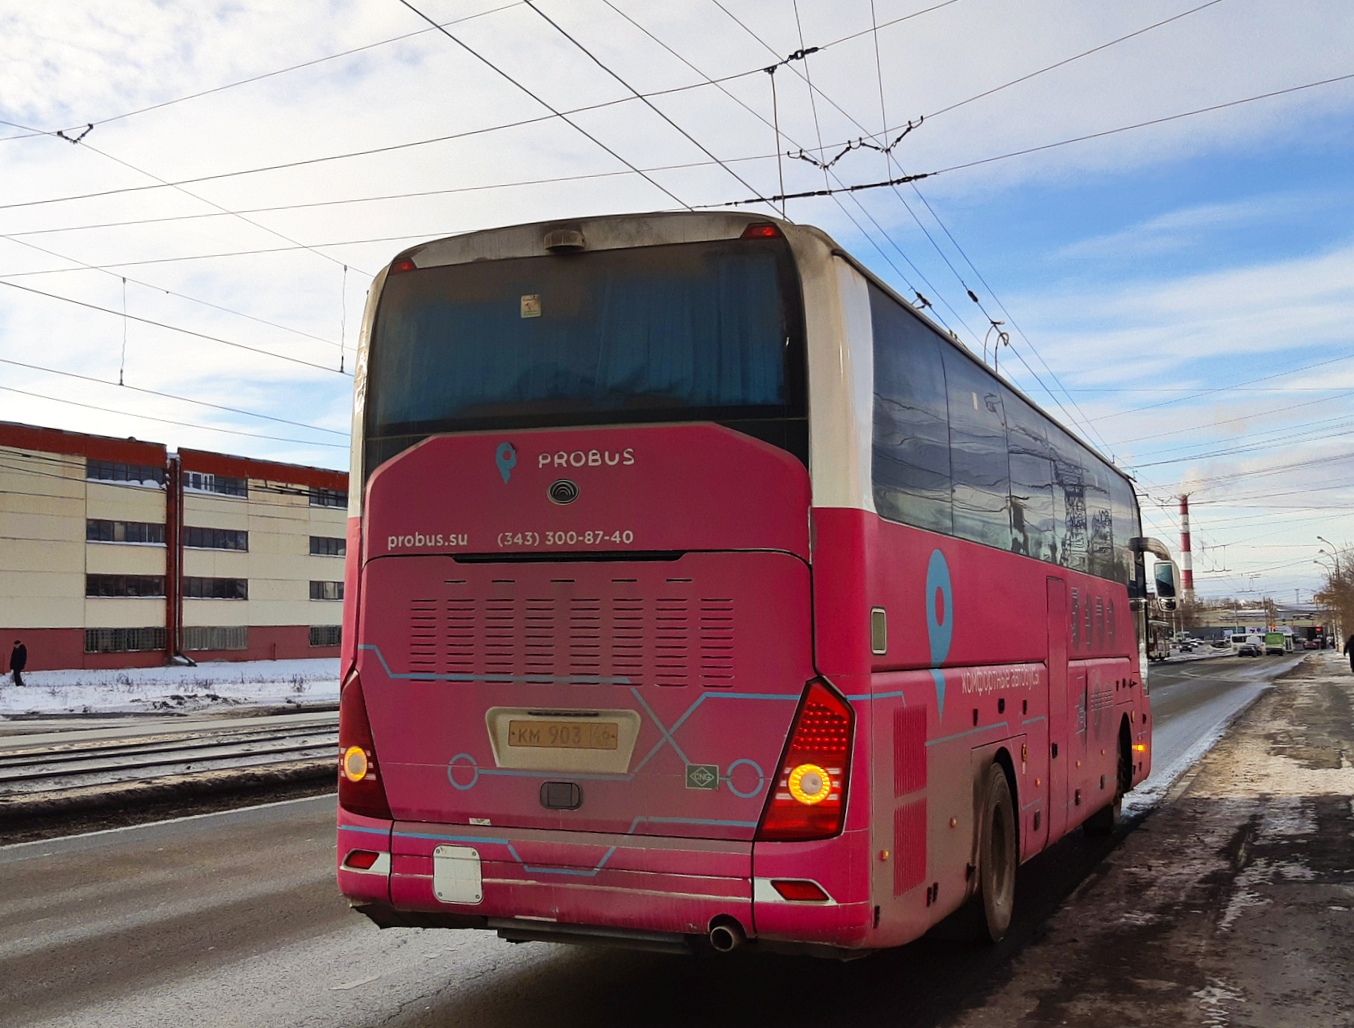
(652, 892)
(533, 883)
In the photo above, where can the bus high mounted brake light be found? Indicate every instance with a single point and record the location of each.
(808, 798)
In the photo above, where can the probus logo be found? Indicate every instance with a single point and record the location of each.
(587, 458)
(506, 459)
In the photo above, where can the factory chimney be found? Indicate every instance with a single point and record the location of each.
(1186, 560)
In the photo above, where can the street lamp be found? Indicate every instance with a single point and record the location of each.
(1333, 554)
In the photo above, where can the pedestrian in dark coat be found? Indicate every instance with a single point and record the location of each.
(18, 660)
(1349, 651)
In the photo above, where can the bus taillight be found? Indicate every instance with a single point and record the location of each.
(359, 785)
(809, 798)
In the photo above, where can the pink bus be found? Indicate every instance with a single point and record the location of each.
(701, 592)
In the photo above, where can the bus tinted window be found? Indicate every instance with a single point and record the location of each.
(702, 331)
(982, 477)
(1032, 519)
(957, 451)
(911, 457)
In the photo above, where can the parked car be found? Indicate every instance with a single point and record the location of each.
(1311, 644)
(1250, 649)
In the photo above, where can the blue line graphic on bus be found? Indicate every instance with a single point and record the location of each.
(939, 620)
(506, 459)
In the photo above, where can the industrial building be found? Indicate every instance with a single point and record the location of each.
(122, 553)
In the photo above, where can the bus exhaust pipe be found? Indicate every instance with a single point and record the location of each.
(726, 935)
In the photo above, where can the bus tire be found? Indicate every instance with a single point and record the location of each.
(998, 854)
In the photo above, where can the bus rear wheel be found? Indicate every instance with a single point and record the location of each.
(998, 854)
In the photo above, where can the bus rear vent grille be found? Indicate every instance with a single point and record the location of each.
(672, 639)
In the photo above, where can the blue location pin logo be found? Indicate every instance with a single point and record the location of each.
(506, 458)
(939, 620)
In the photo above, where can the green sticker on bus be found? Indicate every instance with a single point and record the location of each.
(702, 776)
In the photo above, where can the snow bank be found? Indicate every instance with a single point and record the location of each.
(132, 690)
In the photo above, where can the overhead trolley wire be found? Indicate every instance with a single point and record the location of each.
(1069, 60)
(1145, 124)
(170, 421)
(1292, 370)
(893, 183)
(170, 396)
(270, 74)
(161, 289)
(212, 203)
(172, 328)
(718, 84)
(639, 96)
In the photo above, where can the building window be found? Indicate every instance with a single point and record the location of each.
(327, 546)
(215, 538)
(100, 531)
(121, 471)
(215, 637)
(327, 498)
(123, 640)
(325, 635)
(215, 588)
(204, 482)
(124, 585)
(326, 590)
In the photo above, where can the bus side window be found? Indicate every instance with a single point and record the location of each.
(1031, 481)
(978, 453)
(910, 464)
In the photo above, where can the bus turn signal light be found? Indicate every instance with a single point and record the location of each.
(808, 800)
(355, 764)
(360, 789)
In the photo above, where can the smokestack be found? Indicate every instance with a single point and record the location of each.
(1186, 560)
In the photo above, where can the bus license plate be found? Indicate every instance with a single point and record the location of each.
(565, 735)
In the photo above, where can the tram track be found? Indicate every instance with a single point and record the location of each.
(85, 770)
(23, 771)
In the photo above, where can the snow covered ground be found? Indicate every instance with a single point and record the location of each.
(158, 689)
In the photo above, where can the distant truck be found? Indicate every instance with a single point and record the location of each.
(1280, 641)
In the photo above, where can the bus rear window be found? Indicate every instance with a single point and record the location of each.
(692, 332)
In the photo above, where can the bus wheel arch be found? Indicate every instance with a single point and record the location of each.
(1102, 822)
(998, 847)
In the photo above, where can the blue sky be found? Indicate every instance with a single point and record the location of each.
(1181, 293)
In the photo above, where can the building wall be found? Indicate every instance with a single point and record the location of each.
(42, 538)
(46, 501)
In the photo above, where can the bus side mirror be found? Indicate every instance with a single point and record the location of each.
(1166, 577)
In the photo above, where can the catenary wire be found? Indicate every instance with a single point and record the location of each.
(170, 292)
(170, 396)
(172, 328)
(169, 421)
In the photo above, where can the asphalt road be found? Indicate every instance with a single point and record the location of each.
(233, 919)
